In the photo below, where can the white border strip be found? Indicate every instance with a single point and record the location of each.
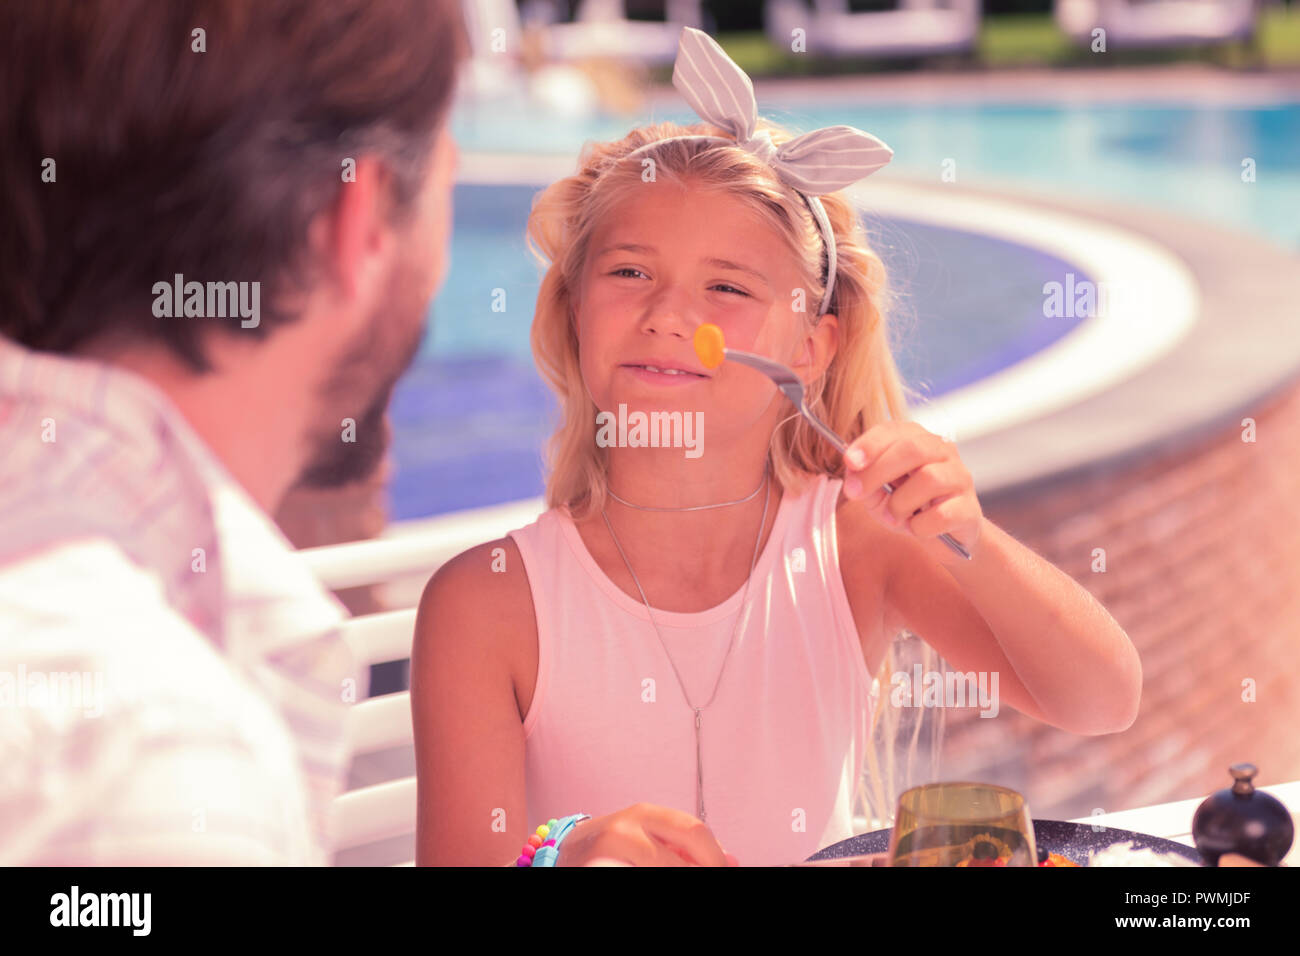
(1153, 304)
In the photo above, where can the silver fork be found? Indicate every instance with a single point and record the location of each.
(792, 388)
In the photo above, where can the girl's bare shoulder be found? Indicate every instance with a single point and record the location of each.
(481, 598)
(486, 584)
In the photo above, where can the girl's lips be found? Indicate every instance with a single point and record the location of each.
(663, 378)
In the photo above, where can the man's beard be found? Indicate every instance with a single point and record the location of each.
(367, 372)
(338, 462)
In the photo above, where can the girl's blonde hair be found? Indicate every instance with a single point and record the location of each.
(860, 388)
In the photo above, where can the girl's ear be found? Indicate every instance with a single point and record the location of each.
(819, 347)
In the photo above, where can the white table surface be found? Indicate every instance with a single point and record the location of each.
(1173, 821)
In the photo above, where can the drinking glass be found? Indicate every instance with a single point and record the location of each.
(962, 824)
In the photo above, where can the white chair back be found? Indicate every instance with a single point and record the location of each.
(374, 819)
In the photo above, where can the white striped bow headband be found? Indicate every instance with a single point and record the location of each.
(813, 164)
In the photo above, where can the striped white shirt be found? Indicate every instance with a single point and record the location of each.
(173, 681)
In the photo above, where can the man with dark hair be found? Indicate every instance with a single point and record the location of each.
(223, 224)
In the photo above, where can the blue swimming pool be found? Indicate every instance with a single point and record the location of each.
(471, 415)
(1184, 158)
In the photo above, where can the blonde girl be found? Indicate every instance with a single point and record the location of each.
(682, 647)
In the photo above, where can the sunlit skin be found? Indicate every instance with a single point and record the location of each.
(635, 305)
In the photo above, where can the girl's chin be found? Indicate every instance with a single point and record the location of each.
(624, 403)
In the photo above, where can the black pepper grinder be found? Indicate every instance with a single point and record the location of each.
(1243, 820)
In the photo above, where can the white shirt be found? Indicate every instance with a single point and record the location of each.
(787, 705)
(173, 682)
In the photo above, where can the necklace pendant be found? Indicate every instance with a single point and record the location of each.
(699, 769)
(740, 616)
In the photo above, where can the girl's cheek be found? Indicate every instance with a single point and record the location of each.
(742, 333)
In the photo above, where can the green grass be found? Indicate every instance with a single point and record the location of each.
(1279, 36)
(1025, 40)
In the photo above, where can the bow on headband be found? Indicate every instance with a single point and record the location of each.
(814, 163)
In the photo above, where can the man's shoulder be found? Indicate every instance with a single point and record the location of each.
(77, 576)
(124, 708)
(82, 604)
(70, 470)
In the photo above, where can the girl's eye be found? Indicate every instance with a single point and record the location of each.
(620, 271)
(732, 288)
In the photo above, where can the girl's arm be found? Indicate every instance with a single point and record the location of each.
(469, 739)
(1059, 656)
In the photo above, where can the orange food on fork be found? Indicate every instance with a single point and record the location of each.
(709, 345)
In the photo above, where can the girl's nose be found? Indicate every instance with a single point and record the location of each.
(671, 315)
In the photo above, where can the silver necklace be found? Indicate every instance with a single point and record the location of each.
(699, 758)
(724, 504)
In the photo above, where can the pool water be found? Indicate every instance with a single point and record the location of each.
(471, 415)
(1185, 158)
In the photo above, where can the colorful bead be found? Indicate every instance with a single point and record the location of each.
(542, 848)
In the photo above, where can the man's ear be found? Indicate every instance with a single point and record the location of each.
(349, 235)
(819, 347)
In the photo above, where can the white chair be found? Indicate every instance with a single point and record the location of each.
(494, 67)
(374, 824)
(600, 29)
(916, 28)
(374, 819)
(1158, 23)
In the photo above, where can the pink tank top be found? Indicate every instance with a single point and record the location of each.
(784, 740)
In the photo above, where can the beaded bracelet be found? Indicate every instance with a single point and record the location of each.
(543, 847)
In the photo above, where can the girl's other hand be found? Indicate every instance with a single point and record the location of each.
(933, 492)
(643, 835)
